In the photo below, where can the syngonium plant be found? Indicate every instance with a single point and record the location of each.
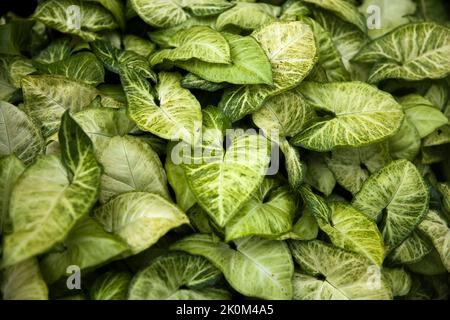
(136, 139)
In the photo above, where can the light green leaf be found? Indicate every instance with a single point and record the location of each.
(201, 42)
(353, 107)
(344, 10)
(329, 57)
(399, 279)
(425, 119)
(138, 45)
(437, 230)
(257, 268)
(399, 195)
(116, 8)
(305, 228)
(192, 81)
(62, 16)
(347, 227)
(292, 9)
(348, 276)
(18, 134)
(222, 180)
(139, 218)
(129, 164)
(444, 189)
(115, 60)
(102, 124)
(59, 49)
(52, 193)
(177, 276)
(178, 113)
(294, 167)
(178, 181)
(412, 250)
(430, 265)
(250, 64)
(82, 66)
(199, 219)
(318, 175)
(268, 213)
(86, 246)
(23, 281)
(291, 50)
(438, 94)
(206, 7)
(10, 170)
(111, 286)
(347, 39)
(47, 107)
(352, 166)
(247, 16)
(397, 54)
(405, 144)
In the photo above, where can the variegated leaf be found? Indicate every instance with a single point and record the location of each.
(139, 218)
(247, 16)
(398, 54)
(398, 196)
(177, 114)
(399, 279)
(291, 50)
(111, 286)
(176, 276)
(52, 195)
(318, 175)
(256, 268)
(201, 42)
(138, 45)
(348, 276)
(18, 134)
(268, 213)
(222, 180)
(405, 144)
(75, 17)
(359, 114)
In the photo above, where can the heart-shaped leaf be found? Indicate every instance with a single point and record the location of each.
(111, 286)
(247, 16)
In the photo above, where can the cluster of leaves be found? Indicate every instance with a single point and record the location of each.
(359, 209)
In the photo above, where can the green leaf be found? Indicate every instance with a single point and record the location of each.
(318, 175)
(432, 10)
(347, 227)
(247, 16)
(111, 286)
(23, 281)
(405, 144)
(177, 276)
(352, 166)
(268, 213)
(412, 250)
(331, 273)
(425, 119)
(82, 66)
(206, 7)
(47, 107)
(10, 170)
(139, 218)
(249, 64)
(354, 107)
(257, 268)
(102, 124)
(192, 81)
(138, 45)
(116, 8)
(15, 36)
(129, 164)
(397, 54)
(437, 230)
(59, 49)
(398, 193)
(115, 60)
(200, 42)
(178, 113)
(399, 279)
(305, 228)
(430, 265)
(294, 167)
(178, 181)
(291, 50)
(222, 180)
(344, 10)
(52, 193)
(329, 57)
(86, 246)
(64, 16)
(18, 134)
